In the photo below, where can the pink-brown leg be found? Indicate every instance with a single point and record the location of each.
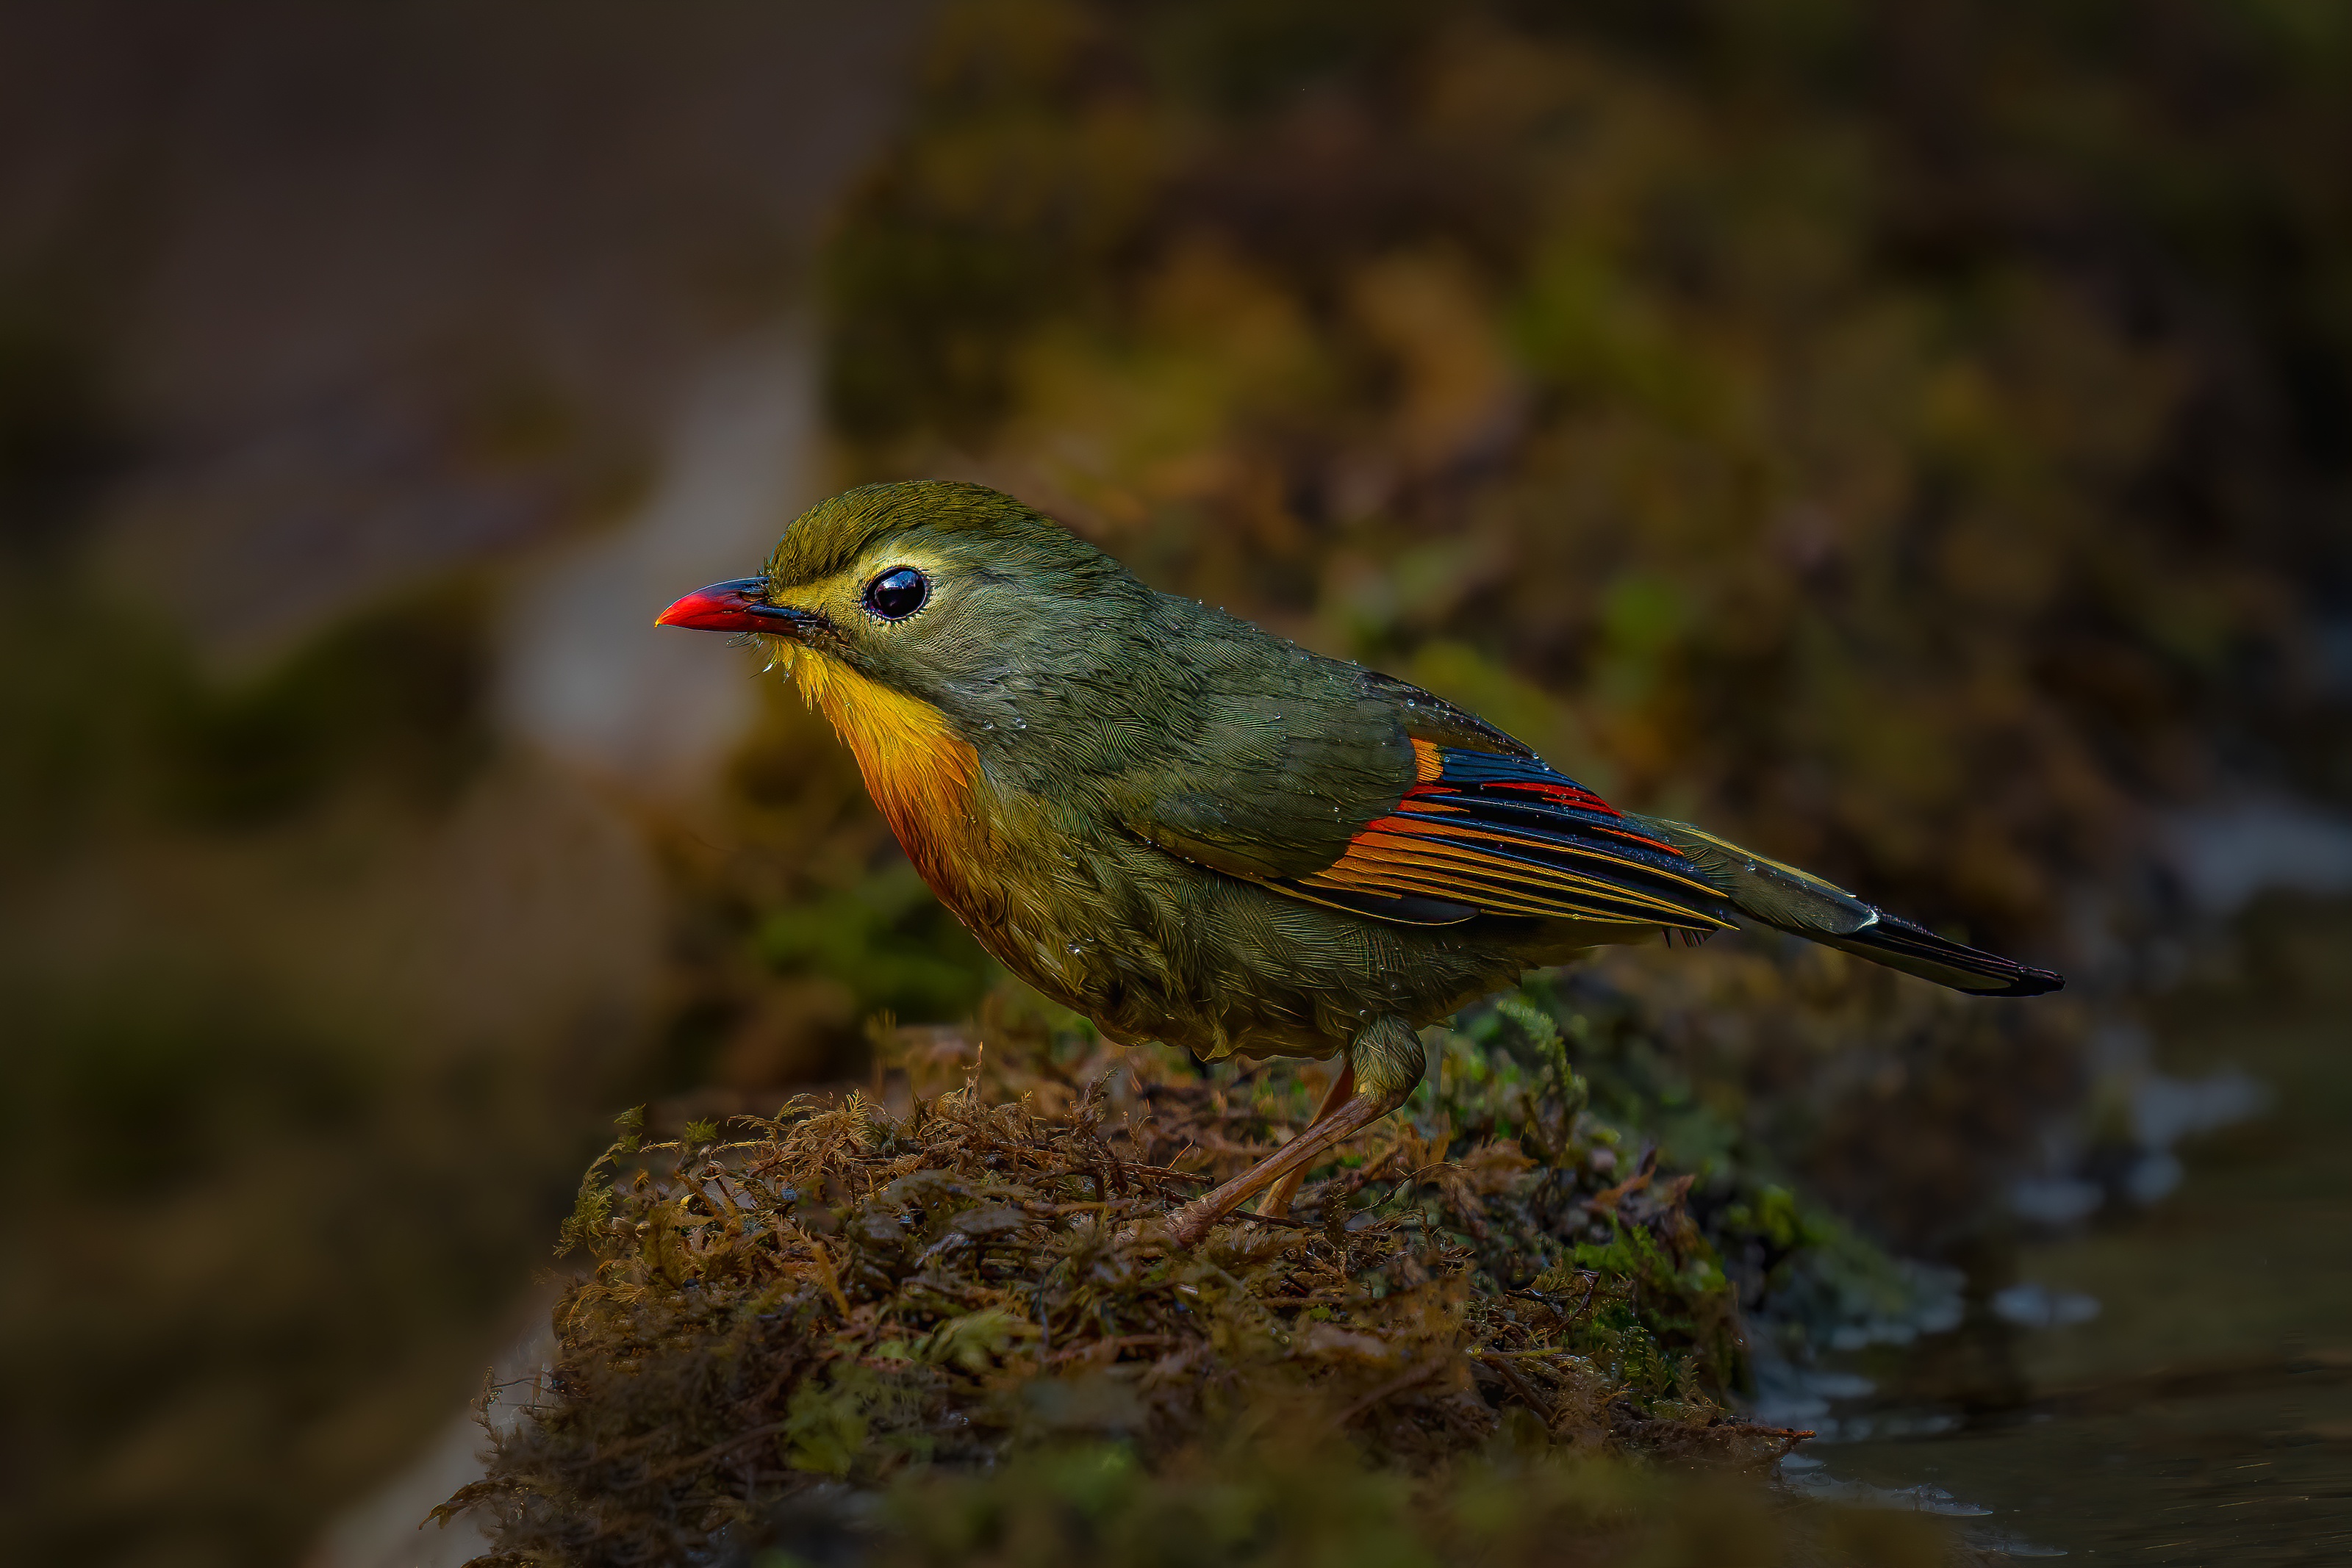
(1385, 1061)
(1277, 1201)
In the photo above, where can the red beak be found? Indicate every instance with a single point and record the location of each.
(741, 605)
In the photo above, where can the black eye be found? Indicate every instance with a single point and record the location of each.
(897, 593)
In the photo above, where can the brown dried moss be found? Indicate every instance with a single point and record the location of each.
(841, 1294)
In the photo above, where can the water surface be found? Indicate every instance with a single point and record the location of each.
(2202, 1413)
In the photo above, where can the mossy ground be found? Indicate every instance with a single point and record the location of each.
(957, 1331)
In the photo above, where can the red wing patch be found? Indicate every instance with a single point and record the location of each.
(1479, 833)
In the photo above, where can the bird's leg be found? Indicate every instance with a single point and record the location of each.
(1385, 1060)
(1277, 1201)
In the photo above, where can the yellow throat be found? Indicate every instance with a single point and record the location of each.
(918, 771)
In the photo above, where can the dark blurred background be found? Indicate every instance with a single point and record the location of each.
(1915, 440)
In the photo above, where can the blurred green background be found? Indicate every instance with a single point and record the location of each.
(1915, 440)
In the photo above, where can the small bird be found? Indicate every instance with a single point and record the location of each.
(1191, 830)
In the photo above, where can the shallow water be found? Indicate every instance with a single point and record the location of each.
(2172, 1383)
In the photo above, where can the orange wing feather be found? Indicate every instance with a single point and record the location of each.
(1479, 833)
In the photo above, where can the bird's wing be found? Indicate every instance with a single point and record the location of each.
(1396, 805)
(1384, 801)
(1481, 834)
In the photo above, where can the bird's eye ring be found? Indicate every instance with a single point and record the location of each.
(897, 593)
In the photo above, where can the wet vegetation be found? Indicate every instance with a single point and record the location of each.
(968, 1310)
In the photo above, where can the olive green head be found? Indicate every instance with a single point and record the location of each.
(939, 590)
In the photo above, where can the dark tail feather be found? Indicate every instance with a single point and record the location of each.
(1786, 899)
(1916, 950)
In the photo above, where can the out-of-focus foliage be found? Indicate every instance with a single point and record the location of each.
(1914, 438)
(1893, 1101)
(265, 1228)
(263, 1233)
(111, 723)
(888, 1299)
(315, 985)
(1273, 1502)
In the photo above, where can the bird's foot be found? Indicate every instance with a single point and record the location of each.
(1194, 1221)
(1275, 1204)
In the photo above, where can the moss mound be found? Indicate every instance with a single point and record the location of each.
(951, 1297)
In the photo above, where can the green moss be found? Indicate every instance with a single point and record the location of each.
(982, 1287)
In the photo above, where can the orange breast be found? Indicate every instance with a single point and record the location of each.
(918, 771)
